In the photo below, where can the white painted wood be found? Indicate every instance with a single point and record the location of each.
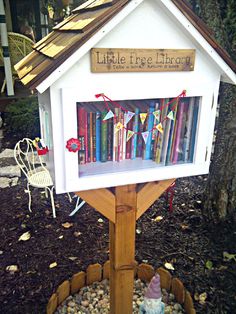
(78, 84)
(131, 177)
(163, 9)
(227, 75)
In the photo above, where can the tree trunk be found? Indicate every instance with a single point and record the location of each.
(220, 196)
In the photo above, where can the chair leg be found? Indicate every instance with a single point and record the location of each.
(29, 193)
(3, 86)
(52, 202)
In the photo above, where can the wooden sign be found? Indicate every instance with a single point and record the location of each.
(141, 60)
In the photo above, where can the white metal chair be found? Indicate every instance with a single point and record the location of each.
(34, 169)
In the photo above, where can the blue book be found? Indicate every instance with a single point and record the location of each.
(98, 136)
(134, 139)
(193, 131)
(148, 154)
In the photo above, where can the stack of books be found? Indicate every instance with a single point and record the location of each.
(102, 141)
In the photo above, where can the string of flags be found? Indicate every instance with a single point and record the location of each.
(128, 115)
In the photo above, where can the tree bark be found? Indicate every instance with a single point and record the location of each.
(220, 196)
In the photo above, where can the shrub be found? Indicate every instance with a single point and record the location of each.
(22, 118)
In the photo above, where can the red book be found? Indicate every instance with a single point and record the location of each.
(82, 134)
(128, 144)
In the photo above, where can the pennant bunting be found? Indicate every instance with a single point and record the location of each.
(109, 115)
(145, 136)
(129, 135)
(159, 127)
(170, 115)
(157, 114)
(128, 116)
(143, 117)
(119, 126)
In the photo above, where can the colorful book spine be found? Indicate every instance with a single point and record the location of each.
(134, 138)
(178, 132)
(129, 143)
(194, 130)
(165, 140)
(91, 135)
(98, 136)
(124, 131)
(82, 134)
(172, 133)
(94, 135)
(115, 135)
(187, 137)
(150, 123)
(104, 138)
(161, 135)
(110, 128)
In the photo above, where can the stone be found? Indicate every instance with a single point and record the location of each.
(4, 182)
(85, 303)
(14, 181)
(7, 153)
(10, 171)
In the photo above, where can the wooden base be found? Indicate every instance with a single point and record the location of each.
(123, 208)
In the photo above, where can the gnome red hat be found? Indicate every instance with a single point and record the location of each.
(154, 288)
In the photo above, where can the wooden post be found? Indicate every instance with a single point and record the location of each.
(123, 209)
(122, 250)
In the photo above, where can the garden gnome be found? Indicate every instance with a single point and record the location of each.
(152, 300)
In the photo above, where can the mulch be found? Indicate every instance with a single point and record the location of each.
(181, 238)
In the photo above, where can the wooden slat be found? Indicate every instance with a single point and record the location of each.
(145, 272)
(102, 200)
(63, 291)
(94, 273)
(52, 304)
(122, 250)
(165, 278)
(91, 5)
(188, 302)
(106, 270)
(77, 282)
(62, 42)
(177, 288)
(36, 71)
(77, 25)
(34, 60)
(150, 193)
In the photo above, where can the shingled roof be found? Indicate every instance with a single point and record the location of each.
(66, 37)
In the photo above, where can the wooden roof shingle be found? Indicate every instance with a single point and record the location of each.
(69, 35)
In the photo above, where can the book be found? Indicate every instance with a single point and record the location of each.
(186, 146)
(103, 137)
(161, 135)
(150, 122)
(129, 143)
(82, 135)
(134, 138)
(115, 135)
(172, 132)
(178, 132)
(194, 130)
(98, 136)
(110, 128)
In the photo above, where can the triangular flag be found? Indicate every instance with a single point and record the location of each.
(143, 117)
(171, 115)
(118, 127)
(145, 136)
(109, 115)
(129, 135)
(128, 116)
(159, 127)
(157, 114)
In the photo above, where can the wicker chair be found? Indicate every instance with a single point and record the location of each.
(19, 47)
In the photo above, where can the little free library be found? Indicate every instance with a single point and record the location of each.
(127, 93)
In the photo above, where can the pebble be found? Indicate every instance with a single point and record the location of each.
(94, 299)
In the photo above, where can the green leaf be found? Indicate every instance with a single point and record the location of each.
(209, 264)
(227, 257)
